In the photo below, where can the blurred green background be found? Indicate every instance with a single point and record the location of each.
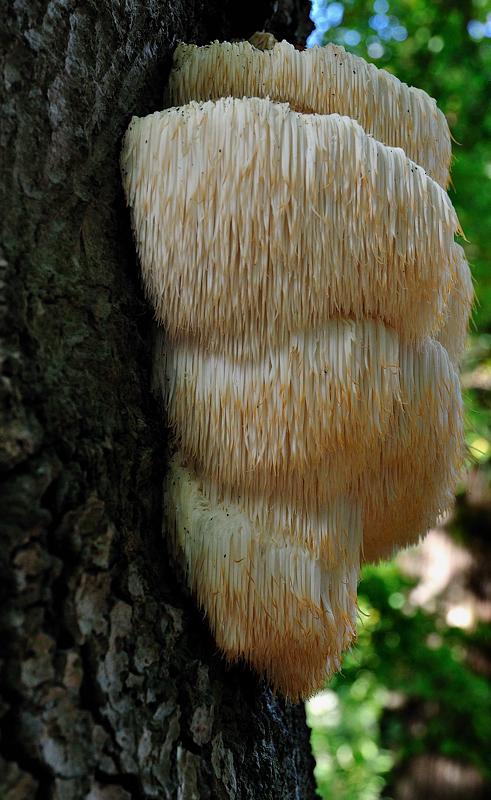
(409, 717)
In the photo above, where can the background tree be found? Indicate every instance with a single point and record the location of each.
(111, 685)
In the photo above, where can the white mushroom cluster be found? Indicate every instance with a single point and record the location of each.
(323, 80)
(297, 245)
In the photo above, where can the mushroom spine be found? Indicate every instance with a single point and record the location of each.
(297, 245)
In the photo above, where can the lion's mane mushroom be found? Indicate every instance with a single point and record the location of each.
(322, 80)
(351, 228)
(315, 306)
(285, 603)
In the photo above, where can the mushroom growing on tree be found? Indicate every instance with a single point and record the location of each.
(322, 80)
(315, 307)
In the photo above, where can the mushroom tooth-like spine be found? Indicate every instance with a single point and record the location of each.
(452, 333)
(409, 483)
(285, 608)
(354, 230)
(273, 421)
(363, 429)
(325, 80)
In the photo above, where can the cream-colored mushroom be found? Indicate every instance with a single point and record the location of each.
(452, 330)
(315, 307)
(270, 597)
(290, 219)
(308, 421)
(322, 80)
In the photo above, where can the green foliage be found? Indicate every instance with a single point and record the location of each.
(407, 684)
(477, 398)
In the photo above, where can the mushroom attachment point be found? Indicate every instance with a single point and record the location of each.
(298, 247)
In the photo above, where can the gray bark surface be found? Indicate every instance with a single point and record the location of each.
(111, 686)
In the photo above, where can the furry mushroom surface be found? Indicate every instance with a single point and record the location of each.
(291, 219)
(285, 605)
(321, 80)
(298, 251)
(281, 428)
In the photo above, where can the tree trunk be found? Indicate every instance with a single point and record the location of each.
(111, 684)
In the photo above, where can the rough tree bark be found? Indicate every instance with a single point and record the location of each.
(111, 684)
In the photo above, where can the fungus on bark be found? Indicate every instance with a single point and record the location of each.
(351, 227)
(322, 80)
(315, 307)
